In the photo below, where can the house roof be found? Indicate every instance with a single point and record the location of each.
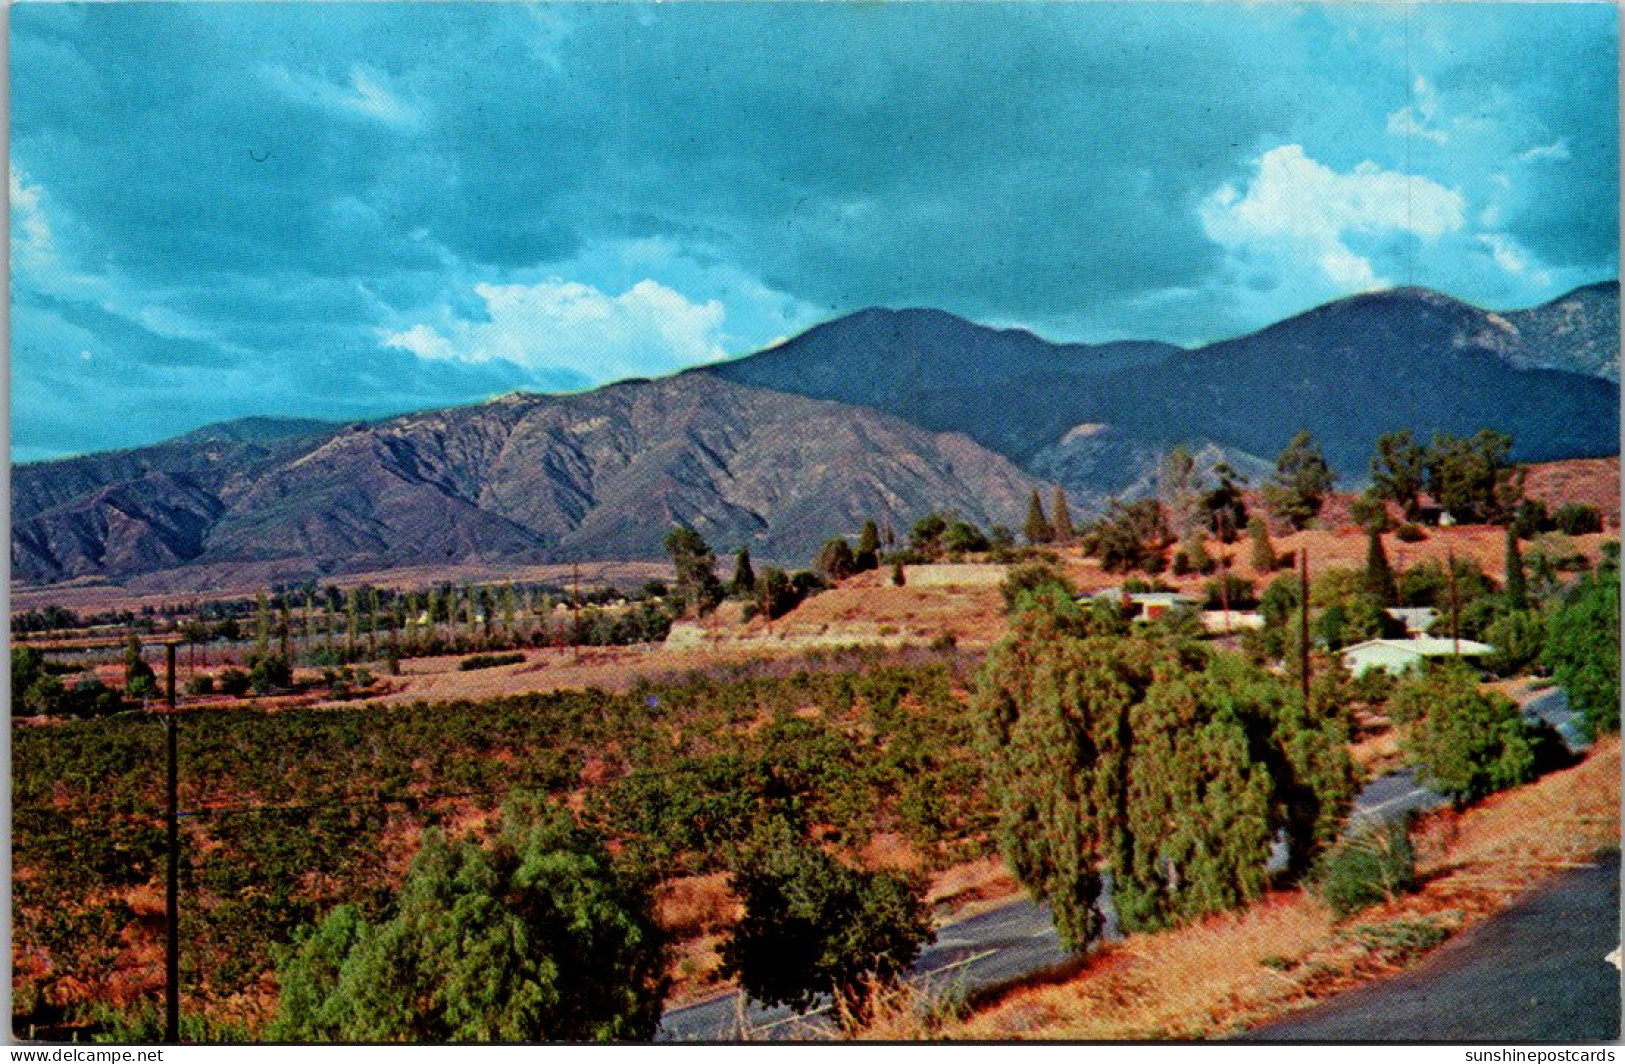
(1421, 647)
(1166, 598)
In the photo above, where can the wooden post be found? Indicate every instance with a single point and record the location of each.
(172, 947)
(1303, 623)
(1455, 604)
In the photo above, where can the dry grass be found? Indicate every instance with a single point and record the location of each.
(1378, 753)
(696, 905)
(1233, 971)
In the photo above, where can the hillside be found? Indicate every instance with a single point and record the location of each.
(519, 479)
(1096, 418)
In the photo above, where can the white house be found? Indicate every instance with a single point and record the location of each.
(1395, 656)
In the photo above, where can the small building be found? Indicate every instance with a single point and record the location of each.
(1148, 605)
(1218, 622)
(1417, 619)
(1396, 656)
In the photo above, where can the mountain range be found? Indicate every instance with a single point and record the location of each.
(883, 414)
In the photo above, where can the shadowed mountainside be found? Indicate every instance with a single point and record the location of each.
(1095, 418)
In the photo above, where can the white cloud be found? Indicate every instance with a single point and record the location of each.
(1512, 258)
(647, 330)
(366, 95)
(1419, 118)
(1557, 151)
(1303, 213)
(33, 244)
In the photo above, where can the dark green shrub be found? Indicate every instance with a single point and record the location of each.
(201, 684)
(1023, 580)
(234, 682)
(1577, 519)
(269, 671)
(1375, 863)
(1409, 533)
(488, 661)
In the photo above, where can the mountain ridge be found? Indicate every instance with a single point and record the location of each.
(883, 414)
(525, 479)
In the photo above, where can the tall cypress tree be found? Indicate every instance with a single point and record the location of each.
(1037, 527)
(1517, 583)
(1263, 551)
(1062, 520)
(868, 552)
(744, 581)
(1379, 575)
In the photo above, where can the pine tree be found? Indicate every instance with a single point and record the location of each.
(1180, 490)
(1062, 520)
(697, 585)
(1037, 527)
(1302, 479)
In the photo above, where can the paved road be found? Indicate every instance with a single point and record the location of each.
(993, 947)
(1534, 973)
(1552, 706)
(1388, 797)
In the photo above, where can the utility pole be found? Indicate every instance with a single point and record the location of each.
(1455, 604)
(172, 886)
(1303, 623)
(575, 611)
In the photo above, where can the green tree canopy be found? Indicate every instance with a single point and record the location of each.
(1225, 505)
(868, 552)
(1469, 477)
(34, 691)
(1152, 759)
(1301, 482)
(1377, 580)
(139, 679)
(1582, 645)
(697, 585)
(537, 937)
(1468, 743)
(926, 535)
(1516, 588)
(1131, 536)
(1023, 580)
(1399, 470)
(836, 560)
(962, 537)
(813, 925)
(1262, 553)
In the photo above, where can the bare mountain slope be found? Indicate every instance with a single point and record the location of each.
(524, 478)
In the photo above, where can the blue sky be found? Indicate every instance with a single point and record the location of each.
(345, 211)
